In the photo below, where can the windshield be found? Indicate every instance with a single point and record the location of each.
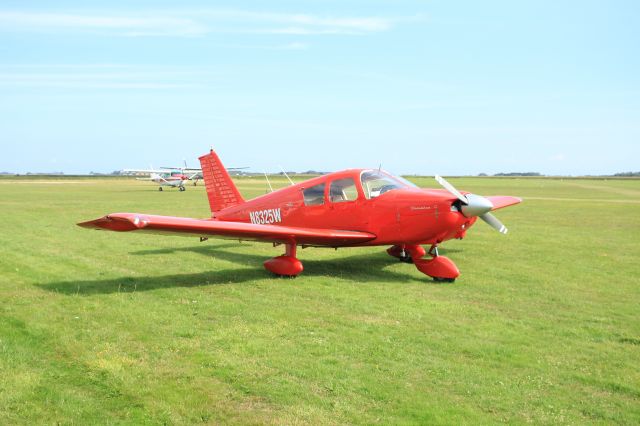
(377, 182)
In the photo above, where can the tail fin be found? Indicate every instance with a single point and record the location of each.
(221, 191)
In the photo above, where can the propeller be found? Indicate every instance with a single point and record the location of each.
(446, 185)
(493, 222)
(474, 205)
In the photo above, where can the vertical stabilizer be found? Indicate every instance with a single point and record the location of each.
(221, 191)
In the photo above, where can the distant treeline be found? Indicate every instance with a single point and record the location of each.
(536, 174)
(513, 174)
(115, 173)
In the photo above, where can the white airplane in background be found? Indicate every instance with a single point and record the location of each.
(165, 177)
(173, 176)
(194, 173)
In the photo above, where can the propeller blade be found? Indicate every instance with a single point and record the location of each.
(493, 222)
(446, 185)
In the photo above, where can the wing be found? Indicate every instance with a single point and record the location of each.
(144, 171)
(184, 169)
(157, 178)
(123, 222)
(500, 201)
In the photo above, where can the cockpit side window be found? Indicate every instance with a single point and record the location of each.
(376, 183)
(342, 190)
(314, 196)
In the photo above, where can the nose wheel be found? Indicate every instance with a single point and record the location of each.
(440, 268)
(443, 280)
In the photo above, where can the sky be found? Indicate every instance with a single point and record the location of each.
(421, 87)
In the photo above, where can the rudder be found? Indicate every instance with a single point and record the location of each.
(221, 190)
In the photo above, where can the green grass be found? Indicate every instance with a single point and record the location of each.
(543, 325)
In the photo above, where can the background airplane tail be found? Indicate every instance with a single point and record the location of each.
(221, 191)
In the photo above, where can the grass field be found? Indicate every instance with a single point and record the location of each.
(543, 326)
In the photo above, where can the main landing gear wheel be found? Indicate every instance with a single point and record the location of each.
(182, 188)
(444, 280)
(160, 189)
(287, 265)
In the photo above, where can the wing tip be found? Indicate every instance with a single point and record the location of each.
(120, 222)
(88, 224)
(502, 201)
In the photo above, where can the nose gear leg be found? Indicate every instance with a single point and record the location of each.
(406, 252)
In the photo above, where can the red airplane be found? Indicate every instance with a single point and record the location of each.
(351, 208)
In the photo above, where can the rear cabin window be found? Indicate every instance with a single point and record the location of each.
(314, 196)
(342, 190)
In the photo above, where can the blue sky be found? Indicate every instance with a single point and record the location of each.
(429, 87)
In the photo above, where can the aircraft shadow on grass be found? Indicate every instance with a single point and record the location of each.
(364, 268)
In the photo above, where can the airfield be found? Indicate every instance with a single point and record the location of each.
(542, 326)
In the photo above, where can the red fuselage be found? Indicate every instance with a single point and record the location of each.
(404, 214)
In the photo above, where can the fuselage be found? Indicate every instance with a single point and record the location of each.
(359, 200)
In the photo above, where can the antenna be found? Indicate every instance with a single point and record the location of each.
(285, 173)
(380, 167)
(268, 183)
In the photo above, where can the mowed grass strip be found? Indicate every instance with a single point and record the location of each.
(100, 327)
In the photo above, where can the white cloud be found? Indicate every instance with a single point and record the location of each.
(359, 24)
(307, 31)
(298, 24)
(127, 26)
(286, 46)
(557, 157)
(193, 23)
(311, 24)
